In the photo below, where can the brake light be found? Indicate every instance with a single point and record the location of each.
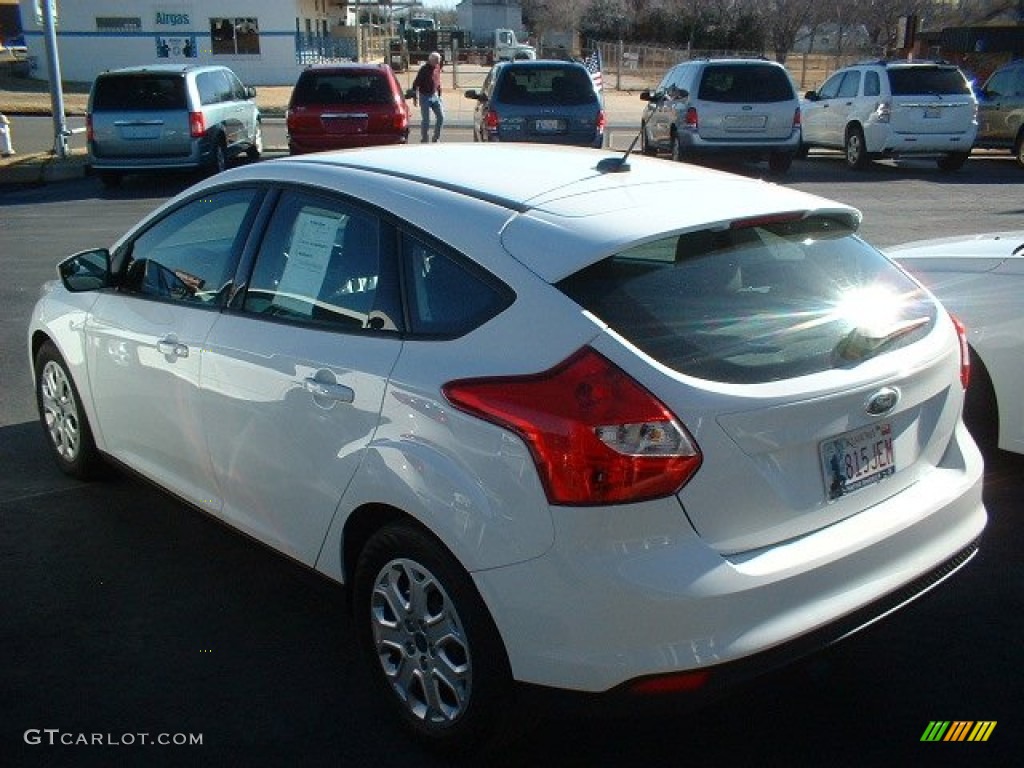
(965, 352)
(602, 121)
(196, 125)
(797, 119)
(596, 435)
(883, 112)
(678, 682)
(88, 128)
(690, 119)
(491, 120)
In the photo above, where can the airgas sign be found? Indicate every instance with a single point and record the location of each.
(172, 18)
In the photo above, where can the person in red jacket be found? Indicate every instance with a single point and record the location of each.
(426, 91)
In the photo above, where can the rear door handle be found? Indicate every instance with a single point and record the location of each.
(172, 348)
(329, 391)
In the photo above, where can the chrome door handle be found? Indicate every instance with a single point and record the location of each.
(338, 392)
(172, 348)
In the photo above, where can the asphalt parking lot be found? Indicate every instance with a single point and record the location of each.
(130, 617)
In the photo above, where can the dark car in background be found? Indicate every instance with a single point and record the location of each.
(340, 106)
(1001, 111)
(170, 117)
(545, 102)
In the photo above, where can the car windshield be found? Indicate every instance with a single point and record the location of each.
(342, 88)
(908, 81)
(535, 86)
(734, 83)
(139, 92)
(756, 303)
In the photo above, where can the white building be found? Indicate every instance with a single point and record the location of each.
(266, 42)
(482, 17)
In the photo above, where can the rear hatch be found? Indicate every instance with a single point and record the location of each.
(140, 115)
(930, 100)
(549, 104)
(345, 106)
(816, 377)
(747, 101)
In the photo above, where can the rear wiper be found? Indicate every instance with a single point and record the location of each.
(862, 343)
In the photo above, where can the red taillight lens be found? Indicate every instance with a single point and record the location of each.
(88, 128)
(797, 119)
(679, 682)
(596, 435)
(690, 120)
(965, 352)
(491, 120)
(602, 121)
(196, 125)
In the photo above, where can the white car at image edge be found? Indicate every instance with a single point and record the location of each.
(980, 279)
(619, 429)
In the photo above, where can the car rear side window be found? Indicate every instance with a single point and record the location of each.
(321, 263)
(347, 88)
(126, 93)
(734, 83)
(940, 81)
(757, 302)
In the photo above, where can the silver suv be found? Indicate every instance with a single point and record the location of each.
(170, 116)
(1001, 111)
(893, 109)
(735, 108)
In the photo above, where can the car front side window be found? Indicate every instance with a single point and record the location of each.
(190, 254)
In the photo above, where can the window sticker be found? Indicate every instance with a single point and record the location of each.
(309, 253)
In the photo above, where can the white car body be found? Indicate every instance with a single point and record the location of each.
(303, 437)
(980, 279)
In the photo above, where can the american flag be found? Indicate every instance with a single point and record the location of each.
(593, 65)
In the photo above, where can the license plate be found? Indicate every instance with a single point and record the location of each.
(548, 126)
(745, 122)
(140, 132)
(855, 459)
(932, 113)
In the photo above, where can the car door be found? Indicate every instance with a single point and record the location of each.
(296, 370)
(818, 120)
(145, 340)
(1001, 107)
(663, 110)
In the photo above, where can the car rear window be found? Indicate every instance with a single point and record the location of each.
(125, 93)
(942, 81)
(539, 86)
(736, 83)
(342, 88)
(756, 302)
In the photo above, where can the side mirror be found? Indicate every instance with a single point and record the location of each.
(645, 95)
(812, 96)
(476, 95)
(86, 271)
(250, 92)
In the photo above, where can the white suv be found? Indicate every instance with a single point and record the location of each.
(893, 109)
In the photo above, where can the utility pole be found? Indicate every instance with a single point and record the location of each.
(60, 128)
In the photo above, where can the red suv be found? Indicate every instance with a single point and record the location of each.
(338, 106)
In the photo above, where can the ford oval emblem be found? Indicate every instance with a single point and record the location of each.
(883, 401)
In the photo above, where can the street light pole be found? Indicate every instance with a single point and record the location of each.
(60, 128)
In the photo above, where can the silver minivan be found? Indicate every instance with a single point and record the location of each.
(170, 116)
(736, 108)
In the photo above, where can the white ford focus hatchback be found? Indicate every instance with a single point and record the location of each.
(576, 424)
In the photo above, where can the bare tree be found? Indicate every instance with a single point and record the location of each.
(782, 21)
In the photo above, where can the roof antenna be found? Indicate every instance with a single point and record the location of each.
(620, 164)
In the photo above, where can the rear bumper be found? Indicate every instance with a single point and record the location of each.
(881, 140)
(300, 145)
(693, 143)
(631, 592)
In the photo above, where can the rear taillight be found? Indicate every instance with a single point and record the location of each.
(491, 120)
(690, 119)
(797, 119)
(965, 352)
(196, 125)
(883, 112)
(597, 436)
(88, 129)
(602, 121)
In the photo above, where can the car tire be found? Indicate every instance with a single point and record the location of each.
(677, 150)
(434, 652)
(111, 179)
(646, 148)
(256, 148)
(981, 410)
(802, 151)
(952, 161)
(62, 416)
(1018, 148)
(855, 151)
(779, 162)
(220, 157)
